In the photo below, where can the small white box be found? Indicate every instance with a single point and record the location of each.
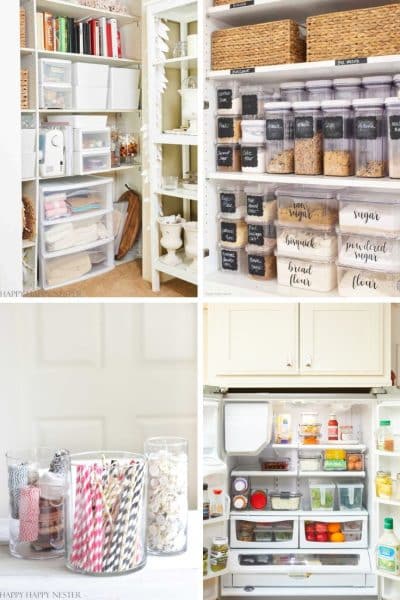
(90, 75)
(80, 121)
(28, 165)
(90, 98)
(54, 71)
(124, 90)
(28, 140)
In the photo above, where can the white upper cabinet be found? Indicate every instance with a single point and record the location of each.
(293, 345)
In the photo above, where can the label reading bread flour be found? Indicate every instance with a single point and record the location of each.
(228, 202)
(228, 232)
(300, 275)
(224, 99)
(255, 234)
(249, 157)
(256, 265)
(224, 156)
(255, 206)
(394, 126)
(366, 128)
(304, 127)
(250, 104)
(229, 260)
(275, 129)
(225, 127)
(366, 251)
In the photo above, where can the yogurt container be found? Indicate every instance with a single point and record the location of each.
(306, 242)
(312, 275)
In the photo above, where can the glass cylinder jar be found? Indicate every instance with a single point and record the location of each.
(219, 554)
(384, 484)
(167, 503)
(370, 138)
(393, 129)
(279, 156)
(377, 86)
(396, 85)
(115, 149)
(319, 90)
(293, 91)
(37, 485)
(307, 138)
(128, 148)
(106, 513)
(338, 138)
(347, 88)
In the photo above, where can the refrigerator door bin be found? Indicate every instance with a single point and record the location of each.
(248, 427)
(256, 531)
(330, 532)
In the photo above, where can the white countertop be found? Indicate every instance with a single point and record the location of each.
(163, 578)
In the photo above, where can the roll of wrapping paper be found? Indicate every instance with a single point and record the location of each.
(28, 514)
(17, 479)
(108, 517)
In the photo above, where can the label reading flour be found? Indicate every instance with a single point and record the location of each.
(225, 156)
(225, 127)
(224, 99)
(361, 281)
(229, 259)
(255, 206)
(249, 157)
(228, 202)
(228, 232)
(256, 265)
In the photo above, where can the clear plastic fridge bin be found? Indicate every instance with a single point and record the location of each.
(347, 88)
(52, 71)
(261, 202)
(370, 137)
(306, 242)
(229, 101)
(377, 86)
(229, 129)
(231, 200)
(367, 282)
(307, 206)
(293, 91)
(369, 211)
(55, 96)
(393, 134)
(279, 134)
(261, 263)
(350, 495)
(232, 231)
(322, 495)
(232, 260)
(260, 235)
(379, 252)
(252, 101)
(319, 90)
(311, 275)
(285, 500)
(253, 131)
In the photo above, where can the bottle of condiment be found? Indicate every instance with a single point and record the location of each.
(205, 561)
(206, 502)
(333, 428)
(384, 438)
(216, 504)
(384, 484)
(388, 549)
(219, 554)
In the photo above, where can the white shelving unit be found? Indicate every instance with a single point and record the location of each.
(126, 120)
(162, 144)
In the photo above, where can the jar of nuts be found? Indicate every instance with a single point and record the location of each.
(337, 127)
(279, 133)
(370, 138)
(307, 138)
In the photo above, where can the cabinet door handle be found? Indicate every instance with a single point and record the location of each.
(308, 361)
(289, 362)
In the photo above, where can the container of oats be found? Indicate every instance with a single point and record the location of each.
(369, 211)
(261, 262)
(293, 91)
(393, 133)
(253, 158)
(231, 200)
(347, 88)
(370, 137)
(319, 90)
(279, 156)
(260, 202)
(229, 101)
(307, 206)
(337, 128)
(252, 97)
(306, 242)
(307, 138)
(314, 275)
(260, 234)
(232, 231)
(367, 282)
(232, 260)
(380, 252)
(228, 129)
(228, 158)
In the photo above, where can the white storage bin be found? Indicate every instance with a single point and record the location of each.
(52, 71)
(80, 121)
(315, 533)
(90, 75)
(123, 89)
(55, 96)
(28, 165)
(367, 282)
(369, 211)
(60, 238)
(313, 275)
(90, 98)
(253, 130)
(88, 162)
(92, 139)
(248, 531)
(306, 242)
(28, 141)
(380, 252)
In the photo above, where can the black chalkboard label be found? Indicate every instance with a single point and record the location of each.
(228, 232)
(366, 128)
(229, 259)
(250, 104)
(394, 123)
(228, 202)
(243, 71)
(241, 4)
(224, 99)
(275, 129)
(225, 127)
(350, 61)
(255, 234)
(256, 265)
(255, 206)
(333, 128)
(304, 127)
(224, 156)
(249, 156)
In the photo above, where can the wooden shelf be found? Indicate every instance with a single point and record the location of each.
(177, 139)
(181, 271)
(178, 193)
(74, 57)
(66, 9)
(176, 63)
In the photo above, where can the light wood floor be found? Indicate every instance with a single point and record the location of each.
(123, 281)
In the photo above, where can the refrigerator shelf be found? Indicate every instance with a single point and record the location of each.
(258, 473)
(209, 522)
(388, 502)
(211, 575)
(388, 576)
(300, 513)
(354, 474)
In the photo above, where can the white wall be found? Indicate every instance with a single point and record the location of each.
(96, 376)
(396, 341)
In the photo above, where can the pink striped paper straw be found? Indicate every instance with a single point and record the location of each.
(97, 555)
(77, 551)
(87, 518)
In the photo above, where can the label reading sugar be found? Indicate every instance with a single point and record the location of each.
(228, 202)
(275, 129)
(304, 127)
(224, 156)
(229, 259)
(255, 234)
(256, 265)
(350, 61)
(250, 104)
(224, 99)
(366, 128)
(241, 4)
(255, 206)
(225, 127)
(333, 128)
(249, 156)
(228, 232)
(394, 124)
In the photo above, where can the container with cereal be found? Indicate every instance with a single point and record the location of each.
(308, 138)
(379, 252)
(307, 274)
(393, 132)
(261, 235)
(307, 206)
(228, 157)
(229, 101)
(306, 242)
(261, 262)
(368, 212)
(231, 200)
(228, 129)
(261, 202)
(338, 138)
(279, 135)
(232, 260)
(370, 137)
(253, 158)
(358, 282)
(232, 231)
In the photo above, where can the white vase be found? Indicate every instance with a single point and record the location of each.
(191, 249)
(171, 240)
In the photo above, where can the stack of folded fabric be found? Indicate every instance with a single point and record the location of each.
(68, 235)
(55, 205)
(67, 268)
(82, 201)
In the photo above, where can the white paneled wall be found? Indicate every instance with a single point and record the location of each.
(396, 341)
(96, 376)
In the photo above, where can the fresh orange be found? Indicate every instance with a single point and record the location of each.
(337, 537)
(334, 527)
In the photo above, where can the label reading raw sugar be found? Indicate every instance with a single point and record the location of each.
(250, 104)
(350, 61)
(225, 127)
(255, 206)
(228, 232)
(275, 129)
(256, 265)
(224, 156)
(304, 127)
(394, 124)
(224, 99)
(249, 157)
(333, 128)
(255, 234)
(366, 128)
(229, 259)
(228, 202)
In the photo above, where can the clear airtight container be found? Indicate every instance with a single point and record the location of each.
(347, 88)
(252, 101)
(310, 242)
(350, 495)
(377, 86)
(396, 85)
(232, 260)
(261, 262)
(228, 129)
(370, 137)
(356, 282)
(393, 129)
(260, 202)
(253, 131)
(253, 158)
(309, 461)
(285, 500)
(293, 91)
(369, 212)
(307, 206)
(306, 274)
(380, 253)
(229, 101)
(322, 495)
(308, 138)
(231, 201)
(261, 235)
(319, 90)
(232, 231)
(228, 158)
(338, 138)
(279, 136)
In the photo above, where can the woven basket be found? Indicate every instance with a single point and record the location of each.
(275, 43)
(24, 88)
(354, 33)
(22, 28)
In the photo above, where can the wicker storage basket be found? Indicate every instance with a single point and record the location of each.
(275, 43)
(354, 33)
(24, 88)
(22, 28)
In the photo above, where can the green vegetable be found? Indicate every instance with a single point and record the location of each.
(316, 501)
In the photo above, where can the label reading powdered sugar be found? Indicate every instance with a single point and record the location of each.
(255, 206)
(366, 128)
(255, 234)
(228, 232)
(256, 265)
(250, 104)
(366, 252)
(225, 127)
(394, 125)
(228, 202)
(229, 259)
(249, 157)
(225, 156)
(275, 129)
(304, 127)
(224, 99)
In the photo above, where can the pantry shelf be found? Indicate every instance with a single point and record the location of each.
(25, 51)
(67, 9)
(178, 193)
(181, 271)
(117, 62)
(177, 139)
(190, 62)
(111, 170)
